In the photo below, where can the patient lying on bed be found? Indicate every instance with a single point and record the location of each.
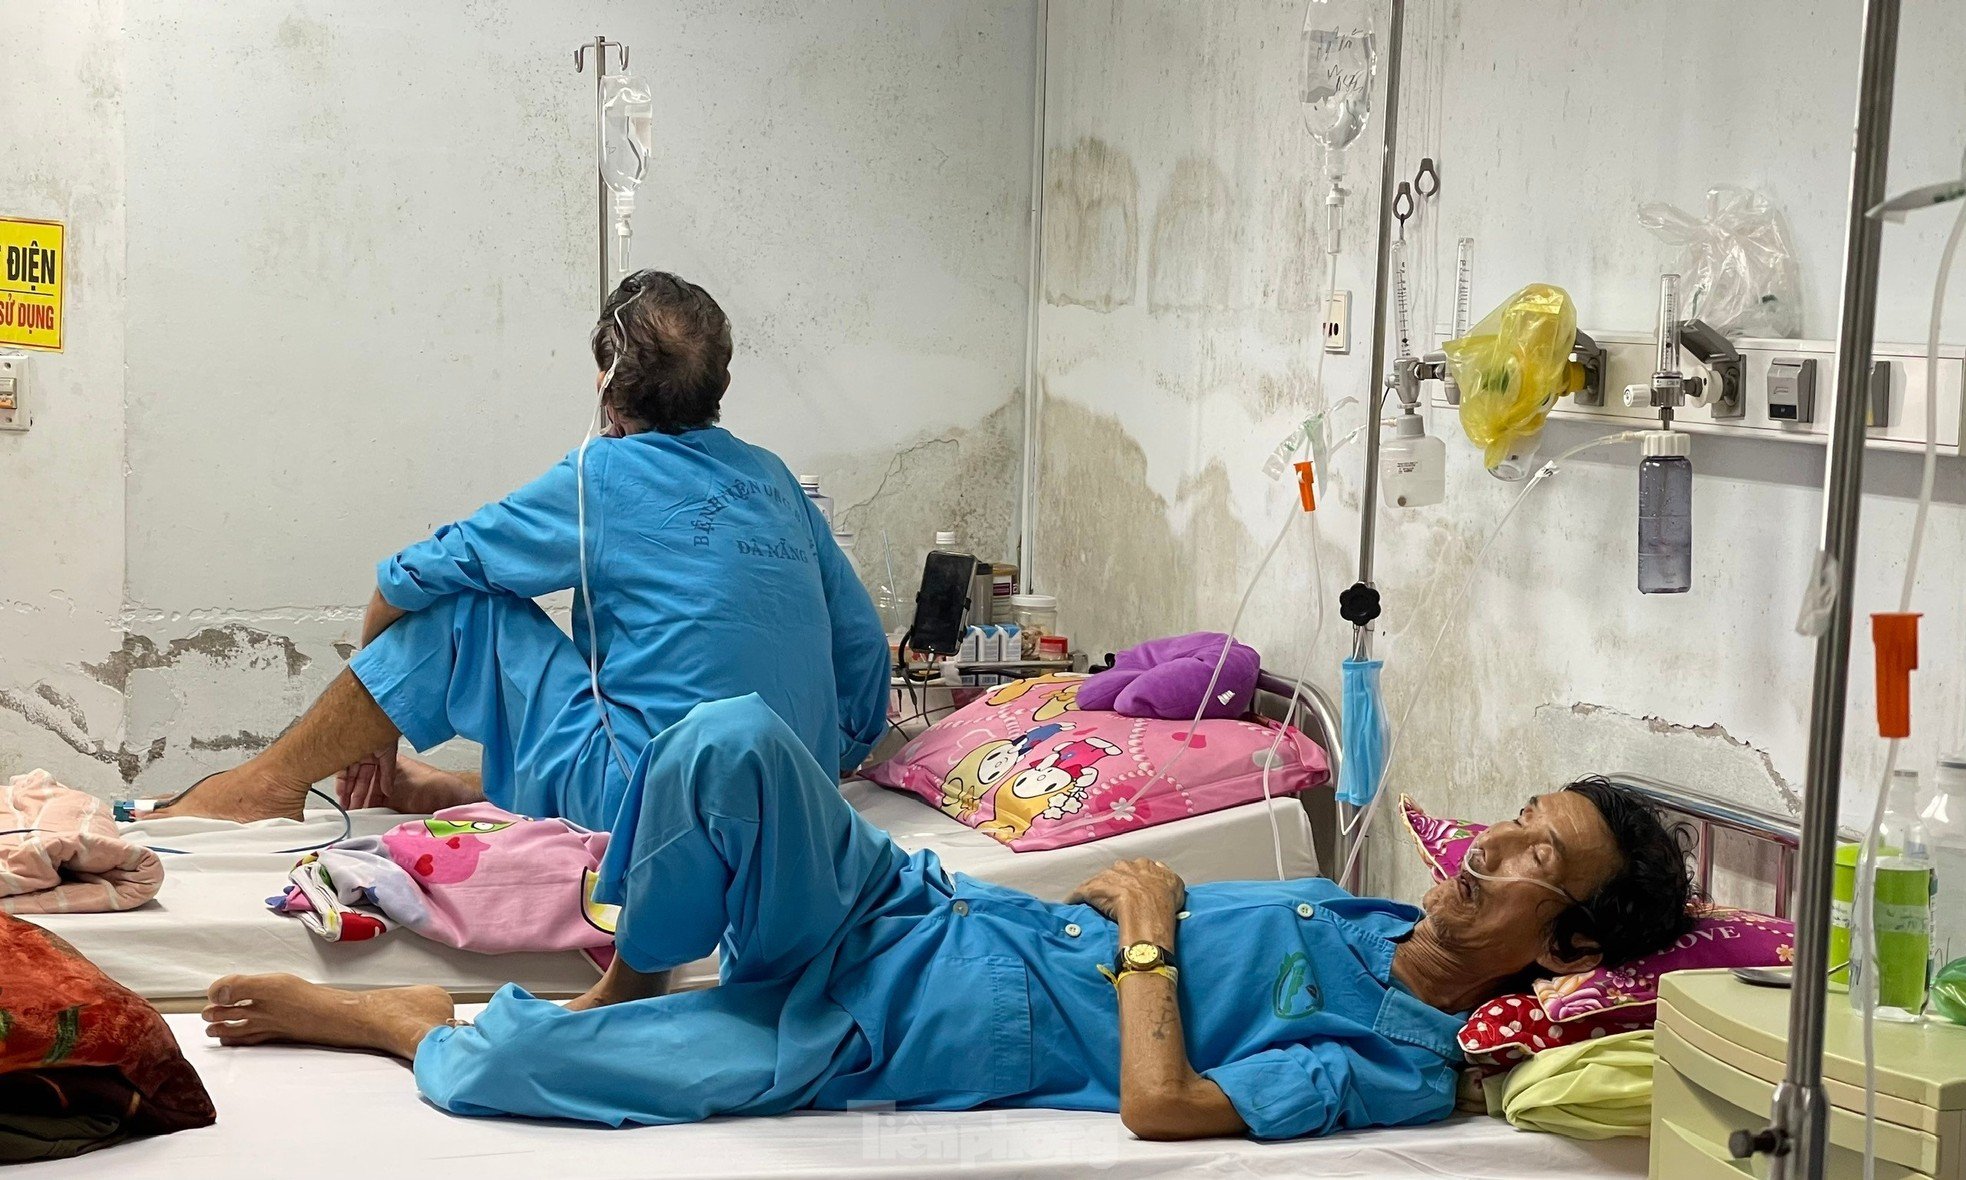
(857, 974)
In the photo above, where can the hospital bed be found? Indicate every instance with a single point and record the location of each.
(211, 917)
(347, 1114)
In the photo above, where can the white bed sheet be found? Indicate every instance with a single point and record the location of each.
(211, 917)
(348, 1114)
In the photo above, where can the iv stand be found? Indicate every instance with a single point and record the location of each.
(1797, 1136)
(1368, 507)
(600, 46)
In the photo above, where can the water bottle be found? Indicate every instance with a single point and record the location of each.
(1944, 824)
(809, 484)
(1665, 514)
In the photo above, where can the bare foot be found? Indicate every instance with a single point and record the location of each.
(255, 1009)
(242, 794)
(619, 985)
(421, 789)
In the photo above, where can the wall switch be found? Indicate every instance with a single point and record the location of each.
(1792, 389)
(15, 413)
(1878, 412)
(1338, 322)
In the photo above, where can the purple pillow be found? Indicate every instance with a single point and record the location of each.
(1165, 679)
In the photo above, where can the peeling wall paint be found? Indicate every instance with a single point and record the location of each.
(1549, 664)
(356, 296)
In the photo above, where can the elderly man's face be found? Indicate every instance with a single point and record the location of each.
(1559, 840)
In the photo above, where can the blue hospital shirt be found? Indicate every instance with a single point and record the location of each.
(1287, 1002)
(714, 576)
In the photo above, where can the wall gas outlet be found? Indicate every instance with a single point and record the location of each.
(15, 413)
(1777, 394)
(1338, 322)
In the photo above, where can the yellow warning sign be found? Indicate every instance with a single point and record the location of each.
(32, 255)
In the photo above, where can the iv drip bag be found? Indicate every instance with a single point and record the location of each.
(627, 140)
(627, 123)
(1338, 61)
(1511, 369)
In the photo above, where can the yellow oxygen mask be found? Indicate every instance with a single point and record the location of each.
(1511, 369)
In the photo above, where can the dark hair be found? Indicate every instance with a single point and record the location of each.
(1642, 908)
(669, 345)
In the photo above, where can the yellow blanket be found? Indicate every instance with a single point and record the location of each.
(1598, 1089)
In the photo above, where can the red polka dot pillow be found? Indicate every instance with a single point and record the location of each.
(1510, 1030)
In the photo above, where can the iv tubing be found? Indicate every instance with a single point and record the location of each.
(580, 517)
(1361, 825)
(1229, 640)
(1290, 712)
(1863, 931)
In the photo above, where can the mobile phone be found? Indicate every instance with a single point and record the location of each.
(942, 603)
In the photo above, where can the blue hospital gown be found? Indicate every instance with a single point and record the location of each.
(713, 575)
(857, 974)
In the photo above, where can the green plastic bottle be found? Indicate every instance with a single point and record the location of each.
(1949, 991)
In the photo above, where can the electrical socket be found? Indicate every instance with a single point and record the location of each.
(1338, 322)
(14, 411)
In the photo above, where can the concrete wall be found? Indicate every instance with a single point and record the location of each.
(357, 283)
(1177, 351)
(61, 536)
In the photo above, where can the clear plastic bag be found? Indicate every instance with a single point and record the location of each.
(1739, 267)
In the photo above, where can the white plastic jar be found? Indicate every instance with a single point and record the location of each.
(1035, 615)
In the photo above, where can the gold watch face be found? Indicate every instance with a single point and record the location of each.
(1143, 956)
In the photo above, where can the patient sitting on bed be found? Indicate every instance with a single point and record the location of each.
(855, 974)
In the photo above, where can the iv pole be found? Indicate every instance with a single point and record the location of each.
(1797, 1134)
(1368, 507)
(600, 45)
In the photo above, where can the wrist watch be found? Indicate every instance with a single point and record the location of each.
(1143, 958)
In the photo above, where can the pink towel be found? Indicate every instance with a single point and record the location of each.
(72, 862)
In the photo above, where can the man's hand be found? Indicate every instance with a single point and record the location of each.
(1161, 1095)
(368, 783)
(1133, 889)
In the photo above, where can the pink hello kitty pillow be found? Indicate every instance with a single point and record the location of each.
(1025, 765)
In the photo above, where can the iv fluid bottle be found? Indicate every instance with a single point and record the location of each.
(1665, 514)
(1413, 465)
(809, 484)
(1336, 63)
(1944, 829)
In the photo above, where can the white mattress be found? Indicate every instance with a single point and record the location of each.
(211, 917)
(350, 1114)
